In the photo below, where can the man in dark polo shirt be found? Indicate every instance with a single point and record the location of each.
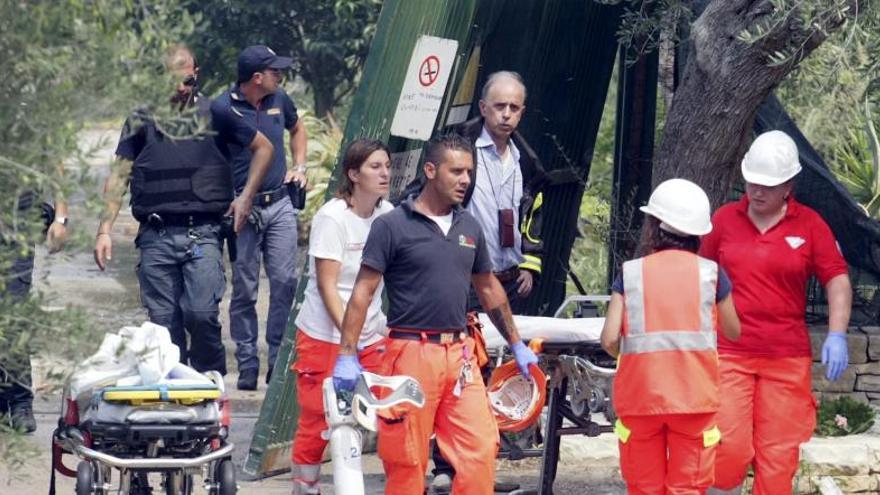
(272, 232)
(429, 250)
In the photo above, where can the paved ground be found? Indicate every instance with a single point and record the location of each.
(588, 466)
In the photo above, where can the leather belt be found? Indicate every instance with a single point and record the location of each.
(507, 275)
(266, 198)
(435, 337)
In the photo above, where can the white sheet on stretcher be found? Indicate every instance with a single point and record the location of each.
(556, 330)
(141, 355)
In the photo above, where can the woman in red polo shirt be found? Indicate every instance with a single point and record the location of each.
(771, 245)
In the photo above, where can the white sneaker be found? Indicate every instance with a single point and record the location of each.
(302, 487)
(442, 483)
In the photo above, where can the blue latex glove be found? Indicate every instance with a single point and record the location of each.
(835, 356)
(523, 357)
(346, 372)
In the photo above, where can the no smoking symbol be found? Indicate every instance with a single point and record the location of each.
(429, 71)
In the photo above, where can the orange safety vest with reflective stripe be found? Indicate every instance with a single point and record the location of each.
(668, 359)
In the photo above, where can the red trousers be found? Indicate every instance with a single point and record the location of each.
(767, 411)
(464, 425)
(314, 363)
(667, 454)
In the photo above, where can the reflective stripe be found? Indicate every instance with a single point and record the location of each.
(708, 286)
(531, 263)
(711, 437)
(668, 341)
(633, 292)
(526, 226)
(621, 431)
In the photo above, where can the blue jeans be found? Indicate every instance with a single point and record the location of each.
(182, 282)
(275, 244)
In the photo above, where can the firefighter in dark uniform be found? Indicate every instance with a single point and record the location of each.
(181, 190)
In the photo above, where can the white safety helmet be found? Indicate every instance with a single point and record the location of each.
(681, 206)
(771, 160)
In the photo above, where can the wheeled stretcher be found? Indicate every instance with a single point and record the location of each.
(579, 382)
(176, 429)
(134, 408)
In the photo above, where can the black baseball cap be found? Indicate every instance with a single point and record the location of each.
(258, 58)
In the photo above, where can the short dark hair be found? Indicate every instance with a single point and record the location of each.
(435, 150)
(657, 239)
(355, 156)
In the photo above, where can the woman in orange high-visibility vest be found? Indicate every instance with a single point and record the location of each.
(661, 324)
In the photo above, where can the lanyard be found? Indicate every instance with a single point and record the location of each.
(497, 190)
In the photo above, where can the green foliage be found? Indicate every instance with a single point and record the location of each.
(324, 141)
(644, 21)
(796, 23)
(328, 40)
(831, 96)
(589, 253)
(843, 416)
(857, 166)
(64, 63)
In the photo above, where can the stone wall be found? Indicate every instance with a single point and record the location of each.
(853, 462)
(861, 381)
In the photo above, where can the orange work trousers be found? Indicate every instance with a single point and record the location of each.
(464, 426)
(767, 411)
(314, 362)
(667, 453)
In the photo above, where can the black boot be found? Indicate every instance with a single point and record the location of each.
(247, 379)
(22, 414)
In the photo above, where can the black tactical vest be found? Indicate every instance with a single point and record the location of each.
(180, 176)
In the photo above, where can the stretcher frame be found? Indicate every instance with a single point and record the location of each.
(577, 388)
(94, 470)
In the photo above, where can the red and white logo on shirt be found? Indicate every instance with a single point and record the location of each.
(795, 241)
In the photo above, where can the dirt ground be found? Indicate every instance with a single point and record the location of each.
(588, 466)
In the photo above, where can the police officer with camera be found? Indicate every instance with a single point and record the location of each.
(182, 195)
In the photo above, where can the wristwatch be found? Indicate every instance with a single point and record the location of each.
(300, 167)
(61, 220)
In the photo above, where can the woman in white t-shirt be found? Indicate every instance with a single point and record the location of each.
(336, 242)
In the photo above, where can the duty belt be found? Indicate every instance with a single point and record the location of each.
(505, 276)
(266, 198)
(433, 336)
(158, 221)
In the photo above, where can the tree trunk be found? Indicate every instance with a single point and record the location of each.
(709, 124)
(323, 100)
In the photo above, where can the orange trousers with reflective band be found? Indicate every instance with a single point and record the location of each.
(767, 411)
(464, 426)
(314, 362)
(667, 453)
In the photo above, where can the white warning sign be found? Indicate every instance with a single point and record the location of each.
(423, 88)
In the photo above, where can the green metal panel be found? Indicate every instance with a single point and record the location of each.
(401, 23)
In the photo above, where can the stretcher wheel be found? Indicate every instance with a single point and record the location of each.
(84, 477)
(226, 478)
(178, 483)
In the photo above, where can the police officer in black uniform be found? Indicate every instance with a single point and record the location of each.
(181, 190)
